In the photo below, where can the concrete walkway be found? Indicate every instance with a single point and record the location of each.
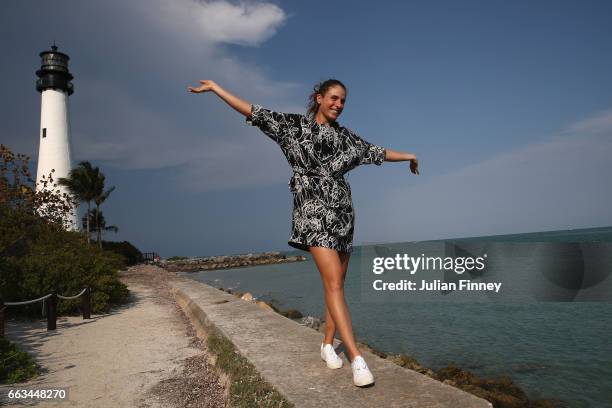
(287, 356)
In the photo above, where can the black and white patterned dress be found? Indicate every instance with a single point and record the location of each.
(319, 155)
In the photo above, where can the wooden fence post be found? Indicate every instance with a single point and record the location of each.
(86, 303)
(52, 312)
(2, 307)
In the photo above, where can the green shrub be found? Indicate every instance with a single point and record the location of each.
(132, 255)
(17, 366)
(38, 256)
(57, 261)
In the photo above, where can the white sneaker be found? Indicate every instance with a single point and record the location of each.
(361, 373)
(328, 354)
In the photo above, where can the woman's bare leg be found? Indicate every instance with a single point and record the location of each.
(331, 271)
(330, 325)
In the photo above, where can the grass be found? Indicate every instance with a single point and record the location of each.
(247, 387)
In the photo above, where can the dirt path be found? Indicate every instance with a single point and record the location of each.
(144, 354)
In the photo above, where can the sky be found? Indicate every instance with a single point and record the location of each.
(507, 105)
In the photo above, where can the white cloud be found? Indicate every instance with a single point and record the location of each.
(223, 22)
(243, 23)
(199, 135)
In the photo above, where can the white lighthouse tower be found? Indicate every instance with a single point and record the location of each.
(54, 149)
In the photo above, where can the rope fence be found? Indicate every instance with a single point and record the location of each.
(27, 302)
(49, 305)
(72, 297)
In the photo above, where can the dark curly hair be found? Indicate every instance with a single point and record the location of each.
(321, 88)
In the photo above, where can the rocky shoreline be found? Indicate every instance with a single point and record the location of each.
(502, 392)
(197, 264)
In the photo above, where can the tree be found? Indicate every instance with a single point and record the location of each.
(99, 225)
(18, 191)
(84, 184)
(99, 199)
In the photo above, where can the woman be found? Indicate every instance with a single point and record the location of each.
(320, 152)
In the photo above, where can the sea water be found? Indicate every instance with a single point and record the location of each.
(559, 350)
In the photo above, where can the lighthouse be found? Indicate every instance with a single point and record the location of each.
(54, 148)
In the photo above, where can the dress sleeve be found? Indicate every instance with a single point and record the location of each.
(369, 153)
(273, 124)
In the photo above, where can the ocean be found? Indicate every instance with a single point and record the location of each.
(554, 343)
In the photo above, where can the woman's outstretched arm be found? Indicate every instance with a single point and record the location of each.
(206, 85)
(393, 156)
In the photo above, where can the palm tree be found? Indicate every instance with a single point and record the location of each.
(83, 184)
(99, 199)
(100, 224)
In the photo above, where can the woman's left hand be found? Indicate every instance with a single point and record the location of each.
(414, 166)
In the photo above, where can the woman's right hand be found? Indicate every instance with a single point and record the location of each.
(206, 85)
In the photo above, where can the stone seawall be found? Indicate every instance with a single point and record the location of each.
(286, 354)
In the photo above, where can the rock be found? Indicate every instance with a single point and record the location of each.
(372, 350)
(273, 307)
(312, 322)
(263, 305)
(231, 261)
(292, 314)
(406, 361)
(502, 392)
(247, 296)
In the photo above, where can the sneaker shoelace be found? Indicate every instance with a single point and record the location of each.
(360, 365)
(330, 352)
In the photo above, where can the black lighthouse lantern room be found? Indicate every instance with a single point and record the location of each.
(53, 72)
